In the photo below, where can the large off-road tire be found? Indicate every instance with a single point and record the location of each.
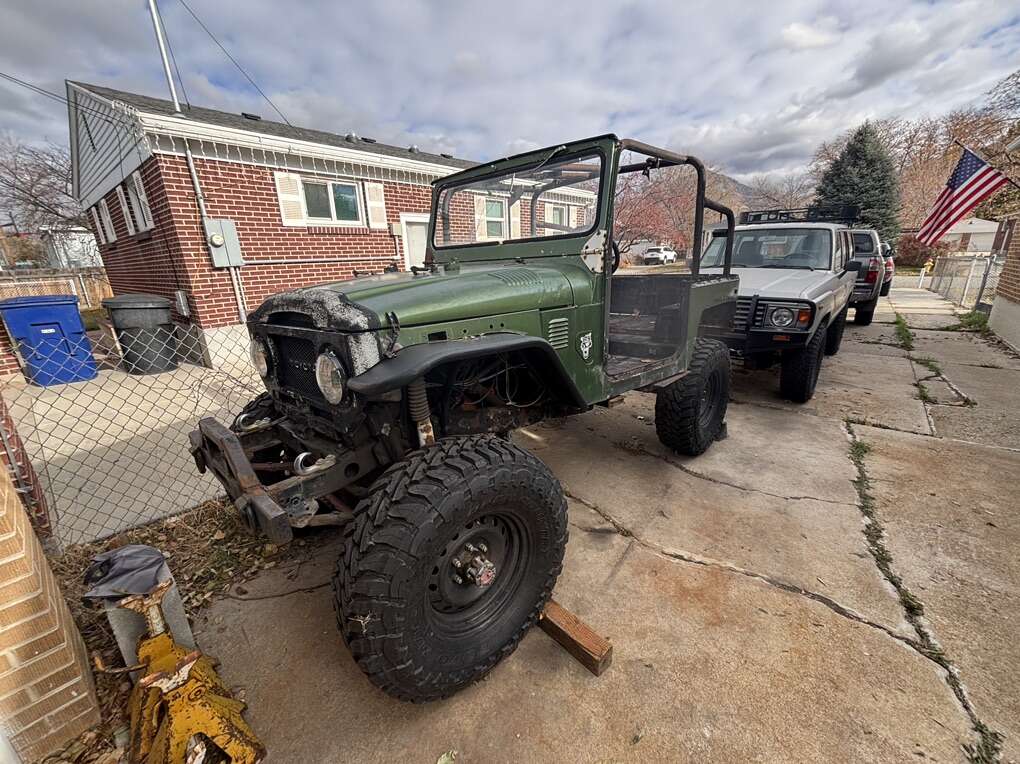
(690, 413)
(834, 334)
(865, 312)
(798, 376)
(417, 632)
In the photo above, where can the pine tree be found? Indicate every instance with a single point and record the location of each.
(863, 174)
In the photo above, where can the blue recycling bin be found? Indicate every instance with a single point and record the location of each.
(51, 338)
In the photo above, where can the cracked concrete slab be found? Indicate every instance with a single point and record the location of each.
(874, 339)
(922, 309)
(995, 419)
(709, 665)
(963, 348)
(814, 543)
(861, 386)
(949, 512)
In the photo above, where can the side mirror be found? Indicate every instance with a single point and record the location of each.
(886, 249)
(852, 265)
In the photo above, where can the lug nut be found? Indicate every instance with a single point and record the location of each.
(483, 548)
(456, 562)
(458, 580)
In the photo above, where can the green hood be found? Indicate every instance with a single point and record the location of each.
(475, 291)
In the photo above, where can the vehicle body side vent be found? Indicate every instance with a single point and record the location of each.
(558, 333)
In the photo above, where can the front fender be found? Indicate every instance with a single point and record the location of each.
(412, 362)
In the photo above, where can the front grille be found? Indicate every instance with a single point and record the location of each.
(743, 312)
(740, 315)
(296, 360)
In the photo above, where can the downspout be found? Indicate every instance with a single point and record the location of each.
(235, 278)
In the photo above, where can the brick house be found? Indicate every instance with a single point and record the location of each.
(1005, 316)
(287, 206)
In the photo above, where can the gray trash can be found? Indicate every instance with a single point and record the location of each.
(145, 332)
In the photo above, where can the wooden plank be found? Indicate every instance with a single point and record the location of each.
(591, 650)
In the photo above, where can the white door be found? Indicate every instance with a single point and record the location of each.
(415, 235)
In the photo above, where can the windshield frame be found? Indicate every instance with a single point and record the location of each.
(777, 229)
(538, 159)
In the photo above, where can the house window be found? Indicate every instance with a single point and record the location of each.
(333, 202)
(556, 214)
(495, 219)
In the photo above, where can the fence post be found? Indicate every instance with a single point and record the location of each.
(989, 264)
(966, 284)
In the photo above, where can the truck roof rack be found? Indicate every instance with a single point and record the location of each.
(833, 213)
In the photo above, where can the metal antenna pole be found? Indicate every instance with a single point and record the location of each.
(162, 54)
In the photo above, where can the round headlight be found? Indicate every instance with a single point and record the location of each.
(782, 317)
(260, 357)
(329, 375)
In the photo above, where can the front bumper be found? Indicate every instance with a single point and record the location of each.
(758, 341)
(277, 507)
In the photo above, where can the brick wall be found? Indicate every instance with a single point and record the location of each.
(46, 691)
(1009, 279)
(246, 194)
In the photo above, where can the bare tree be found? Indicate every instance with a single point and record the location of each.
(35, 186)
(788, 190)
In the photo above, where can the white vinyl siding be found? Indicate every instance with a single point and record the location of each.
(139, 201)
(125, 210)
(107, 146)
(104, 216)
(100, 236)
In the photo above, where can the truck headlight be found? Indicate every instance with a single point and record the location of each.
(781, 317)
(329, 375)
(260, 357)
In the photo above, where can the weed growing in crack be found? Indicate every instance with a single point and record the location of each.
(903, 334)
(929, 363)
(922, 393)
(988, 744)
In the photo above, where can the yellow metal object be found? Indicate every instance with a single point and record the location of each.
(181, 712)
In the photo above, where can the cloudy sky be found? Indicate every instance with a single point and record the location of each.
(749, 86)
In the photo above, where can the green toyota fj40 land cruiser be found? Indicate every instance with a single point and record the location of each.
(390, 399)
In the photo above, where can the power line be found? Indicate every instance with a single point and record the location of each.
(113, 120)
(225, 53)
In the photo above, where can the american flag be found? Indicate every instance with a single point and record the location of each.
(972, 180)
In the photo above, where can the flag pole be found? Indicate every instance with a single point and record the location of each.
(972, 151)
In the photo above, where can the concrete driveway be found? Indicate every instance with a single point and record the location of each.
(834, 581)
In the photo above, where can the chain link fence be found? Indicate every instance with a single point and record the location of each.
(969, 281)
(95, 424)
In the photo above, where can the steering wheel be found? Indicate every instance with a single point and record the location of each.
(616, 258)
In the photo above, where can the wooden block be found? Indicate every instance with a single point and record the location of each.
(591, 650)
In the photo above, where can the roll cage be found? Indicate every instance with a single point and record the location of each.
(611, 150)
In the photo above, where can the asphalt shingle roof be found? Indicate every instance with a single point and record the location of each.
(268, 127)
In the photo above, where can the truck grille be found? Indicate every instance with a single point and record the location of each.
(743, 312)
(296, 359)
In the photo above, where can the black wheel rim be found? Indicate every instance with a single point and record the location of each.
(465, 606)
(709, 404)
